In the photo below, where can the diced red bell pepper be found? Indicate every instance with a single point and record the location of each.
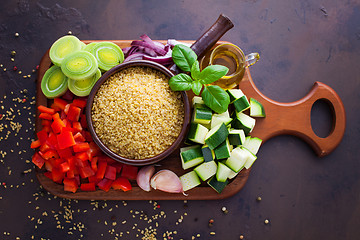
(101, 170)
(46, 116)
(118, 166)
(55, 107)
(87, 136)
(78, 102)
(45, 122)
(129, 172)
(79, 163)
(38, 160)
(35, 144)
(70, 185)
(70, 173)
(65, 153)
(94, 149)
(83, 121)
(88, 187)
(44, 109)
(57, 125)
(94, 161)
(57, 175)
(46, 129)
(81, 147)
(50, 154)
(83, 156)
(65, 139)
(44, 147)
(110, 172)
(61, 103)
(73, 113)
(52, 141)
(78, 137)
(42, 136)
(105, 184)
(93, 179)
(77, 126)
(86, 172)
(64, 167)
(122, 183)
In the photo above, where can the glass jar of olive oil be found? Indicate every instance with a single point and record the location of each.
(232, 57)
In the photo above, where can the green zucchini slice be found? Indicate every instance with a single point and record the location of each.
(63, 47)
(54, 83)
(107, 54)
(83, 88)
(79, 65)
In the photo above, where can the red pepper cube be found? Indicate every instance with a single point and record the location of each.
(45, 122)
(88, 187)
(50, 154)
(46, 116)
(70, 173)
(101, 170)
(70, 185)
(77, 127)
(35, 144)
(118, 166)
(129, 172)
(52, 141)
(105, 184)
(60, 103)
(65, 139)
(78, 137)
(42, 136)
(57, 125)
(65, 153)
(93, 179)
(83, 156)
(122, 183)
(86, 172)
(110, 172)
(93, 162)
(44, 109)
(81, 147)
(83, 120)
(44, 147)
(38, 160)
(64, 167)
(57, 175)
(81, 103)
(73, 113)
(55, 107)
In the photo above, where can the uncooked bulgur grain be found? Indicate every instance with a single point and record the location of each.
(136, 114)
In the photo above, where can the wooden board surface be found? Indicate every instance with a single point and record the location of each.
(281, 118)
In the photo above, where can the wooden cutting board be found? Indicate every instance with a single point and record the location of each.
(279, 120)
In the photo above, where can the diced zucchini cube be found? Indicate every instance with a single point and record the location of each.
(250, 158)
(208, 154)
(202, 115)
(222, 172)
(189, 180)
(216, 185)
(256, 108)
(220, 118)
(206, 170)
(236, 137)
(253, 144)
(191, 156)
(237, 159)
(216, 136)
(243, 121)
(197, 133)
(234, 94)
(241, 104)
(223, 150)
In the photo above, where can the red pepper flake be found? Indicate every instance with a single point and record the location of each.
(24, 100)
(15, 68)
(158, 206)
(37, 67)
(1, 116)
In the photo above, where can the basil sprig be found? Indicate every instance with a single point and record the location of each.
(214, 96)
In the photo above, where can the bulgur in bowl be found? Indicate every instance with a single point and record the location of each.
(134, 116)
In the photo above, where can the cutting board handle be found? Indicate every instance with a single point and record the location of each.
(294, 118)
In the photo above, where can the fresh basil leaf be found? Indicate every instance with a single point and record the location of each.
(216, 98)
(183, 57)
(196, 87)
(180, 82)
(212, 73)
(195, 71)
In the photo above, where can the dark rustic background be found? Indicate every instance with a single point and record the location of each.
(300, 42)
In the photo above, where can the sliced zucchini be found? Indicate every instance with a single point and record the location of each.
(222, 172)
(256, 108)
(223, 150)
(241, 104)
(243, 121)
(83, 88)
(189, 180)
(191, 156)
(197, 133)
(216, 185)
(234, 94)
(234, 174)
(236, 137)
(79, 65)
(216, 136)
(206, 170)
(237, 159)
(208, 154)
(63, 47)
(202, 114)
(253, 144)
(54, 83)
(250, 158)
(220, 118)
(108, 55)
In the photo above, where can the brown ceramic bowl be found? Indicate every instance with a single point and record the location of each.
(103, 147)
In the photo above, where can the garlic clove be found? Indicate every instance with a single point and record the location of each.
(167, 181)
(143, 177)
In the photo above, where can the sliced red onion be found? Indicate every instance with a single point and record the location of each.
(158, 50)
(134, 56)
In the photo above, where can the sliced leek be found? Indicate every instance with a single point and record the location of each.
(79, 65)
(107, 54)
(54, 83)
(63, 47)
(83, 88)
